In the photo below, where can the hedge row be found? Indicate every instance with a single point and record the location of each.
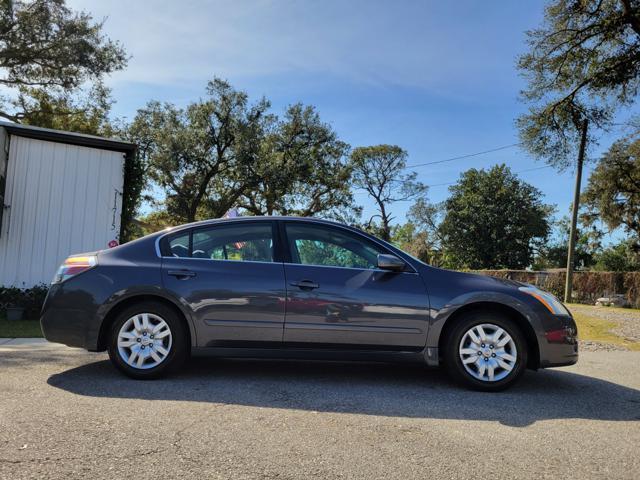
(587, 286)
(31, 299)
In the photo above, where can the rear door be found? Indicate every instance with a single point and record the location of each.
(228, 276)
(337, 297)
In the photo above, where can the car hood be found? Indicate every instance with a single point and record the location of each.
(482, 281)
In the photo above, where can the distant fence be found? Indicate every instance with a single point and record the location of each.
(587, 286)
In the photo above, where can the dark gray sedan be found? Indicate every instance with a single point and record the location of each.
(299, 288)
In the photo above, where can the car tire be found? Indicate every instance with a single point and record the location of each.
(488, 364)
(156, 334)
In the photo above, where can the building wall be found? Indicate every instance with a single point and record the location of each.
(63, 199)
(4, 153)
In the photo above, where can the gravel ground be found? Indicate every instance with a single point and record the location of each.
(589, 346)
(67, 414)
(628, 325)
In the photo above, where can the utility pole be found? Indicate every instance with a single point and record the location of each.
(574, 214)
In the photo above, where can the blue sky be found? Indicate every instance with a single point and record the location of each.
(437, 78)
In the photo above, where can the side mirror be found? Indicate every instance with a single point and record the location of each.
(390, 262)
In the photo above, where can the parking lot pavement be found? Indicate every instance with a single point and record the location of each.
(67, 414)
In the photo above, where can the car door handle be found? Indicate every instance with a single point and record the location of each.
(182, 273)
(305, 284)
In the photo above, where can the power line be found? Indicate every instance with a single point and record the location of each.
(504, 147)
(519, 171)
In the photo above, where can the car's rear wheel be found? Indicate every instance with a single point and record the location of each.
(147, 340)
(486, 351)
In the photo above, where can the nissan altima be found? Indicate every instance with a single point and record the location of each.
(287, 287)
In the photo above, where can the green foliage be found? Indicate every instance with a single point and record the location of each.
(612, 195)
(301, 168)
(379, 171)
(420, 236)
(134, 183)
(582, 64)
(88, 114)
(47, 53)
(153, 222)
(554, 254)
(223, 152)
(410, 239)
(493, 220)
(31, 299)
(202, 157)
(618, 258)
(427, 218)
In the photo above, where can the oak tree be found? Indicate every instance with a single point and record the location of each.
(48, 53)
(201, 157)
(302, 168)
(612, 195)
(380, 171)
(492, 219)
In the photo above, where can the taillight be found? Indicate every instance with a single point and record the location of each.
(72, 266)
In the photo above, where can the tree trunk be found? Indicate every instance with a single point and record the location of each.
(574, 214)
(386, 231)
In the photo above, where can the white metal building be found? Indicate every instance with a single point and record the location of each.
(60, 193)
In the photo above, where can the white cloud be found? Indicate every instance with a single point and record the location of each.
(394, 43)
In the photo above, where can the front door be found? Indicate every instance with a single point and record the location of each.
(228, 277)
(337, 297)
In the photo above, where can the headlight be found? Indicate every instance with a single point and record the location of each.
(72, 266)
(549, 301)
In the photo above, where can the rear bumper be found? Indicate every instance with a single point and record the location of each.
(65, 326)
(69, 318)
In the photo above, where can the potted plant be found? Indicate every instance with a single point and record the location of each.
(34, 299)
(13, 299)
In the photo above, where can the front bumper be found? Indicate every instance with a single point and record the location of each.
(559, 342)
(559, 355)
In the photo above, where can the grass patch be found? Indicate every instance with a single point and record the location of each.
(595, 329)
(20, 329)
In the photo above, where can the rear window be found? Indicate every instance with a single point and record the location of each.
(179, 246)
(248, 242)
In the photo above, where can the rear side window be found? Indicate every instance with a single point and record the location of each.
(179, 246)
(250, 242)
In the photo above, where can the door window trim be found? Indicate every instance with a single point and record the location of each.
(288, 258)
(163, 241)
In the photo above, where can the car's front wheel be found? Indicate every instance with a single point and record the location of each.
(147, 340)
(486, 351)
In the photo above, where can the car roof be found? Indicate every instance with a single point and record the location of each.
(263, 219)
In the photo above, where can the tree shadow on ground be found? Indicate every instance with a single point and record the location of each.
(369, 389)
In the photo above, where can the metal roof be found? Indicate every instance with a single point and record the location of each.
(72, 138)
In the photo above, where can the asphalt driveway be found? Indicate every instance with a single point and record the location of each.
(67, 414)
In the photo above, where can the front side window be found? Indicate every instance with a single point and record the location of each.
(240, 242)
(331, 247)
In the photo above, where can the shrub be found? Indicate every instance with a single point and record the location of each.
(632, 288)
(587, 286)
(31, 299)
